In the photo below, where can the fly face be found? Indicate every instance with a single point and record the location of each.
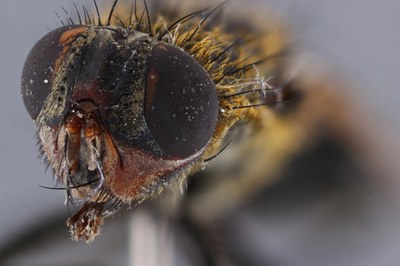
(120, 115)
(126, 109)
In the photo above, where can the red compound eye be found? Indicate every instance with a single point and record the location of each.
(41, 65)
(181, 104)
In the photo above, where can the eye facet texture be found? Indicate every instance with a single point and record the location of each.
(181, 104)
(40, 66)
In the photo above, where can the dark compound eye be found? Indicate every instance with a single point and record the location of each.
(42, 62)
(181, 104)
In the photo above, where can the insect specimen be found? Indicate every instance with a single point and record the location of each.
(133, 103)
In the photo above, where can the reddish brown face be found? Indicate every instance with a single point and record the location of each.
(120, 115)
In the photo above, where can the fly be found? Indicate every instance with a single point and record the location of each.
(129, 106)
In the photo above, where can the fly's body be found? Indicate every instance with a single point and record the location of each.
(131, 105)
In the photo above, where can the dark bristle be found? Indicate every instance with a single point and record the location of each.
(185, 19)
(78, 14)
(101, 194)
(120, 22)
(87, 16)
(181, 20)
(118, 205)
(218, 153)
(280, 87)
(59, 19)
(140, 20)
(131, 14)
(52, 188)
(69, 196)
(202, 21)
(226, 50)
(136, 17)
(258, 62)
(247, 92)
(113, 203)
(260, 104)
(231, 69)
(40, 146)
(108, 197)
(69, 16)
(222, 53)
(148, 18)
(73, 187)
(98, 13)
(111, 12)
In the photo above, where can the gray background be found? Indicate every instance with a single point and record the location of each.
(359, 39)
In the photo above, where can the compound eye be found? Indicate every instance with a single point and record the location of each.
(42, 64)
(181, 104)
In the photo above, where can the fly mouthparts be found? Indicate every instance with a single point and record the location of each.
(83, 137)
